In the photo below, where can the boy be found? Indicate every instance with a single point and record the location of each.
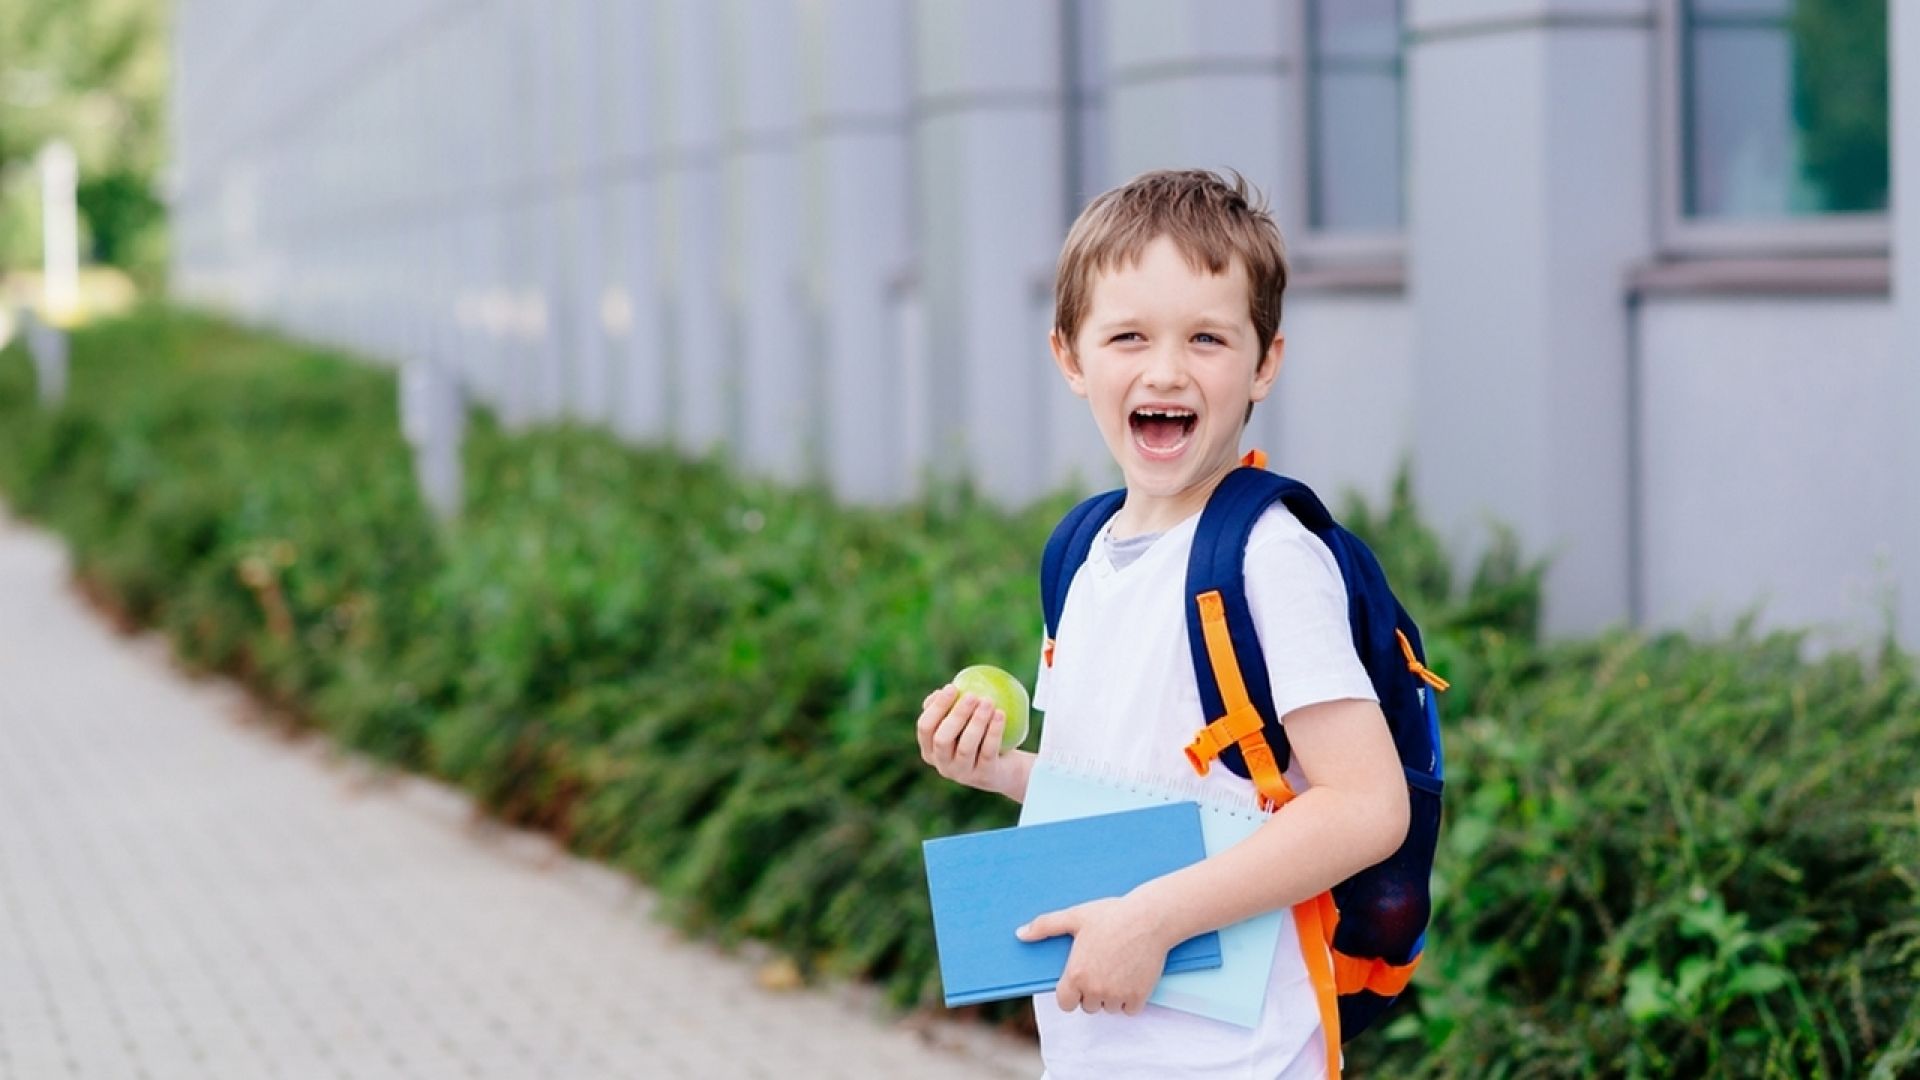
(1167, 310)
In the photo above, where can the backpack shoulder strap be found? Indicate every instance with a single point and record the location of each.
(1235, 695)
(1066, 549)
(1220, 632)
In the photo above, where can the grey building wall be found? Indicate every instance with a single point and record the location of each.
(1766, 424)
(1342, 413)
(1531, 143)
(818, 235)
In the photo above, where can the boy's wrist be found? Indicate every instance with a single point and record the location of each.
(1156, 910)
(1010, 779)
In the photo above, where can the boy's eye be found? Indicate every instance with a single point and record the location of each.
(1127, 335)
(1209, 339)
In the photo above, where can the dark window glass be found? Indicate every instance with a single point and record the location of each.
(1355, 72)
(1785, 107)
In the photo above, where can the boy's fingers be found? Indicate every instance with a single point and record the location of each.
(946, 735)
(973, 740)
(990, 742)
(939, 705)
(1052, 924)
(934, 709)
(947, 693)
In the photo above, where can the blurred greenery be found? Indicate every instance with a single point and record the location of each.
(92, 72)
(1840, 100)
(1662, 857)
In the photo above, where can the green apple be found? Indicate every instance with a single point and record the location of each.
(1002, 690)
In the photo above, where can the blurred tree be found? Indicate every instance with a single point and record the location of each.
(92, 72)
(122, 211)
(1840, 100)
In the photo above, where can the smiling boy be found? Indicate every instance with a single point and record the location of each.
(1167, 310)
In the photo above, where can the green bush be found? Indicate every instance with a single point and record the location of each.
(1662, 857)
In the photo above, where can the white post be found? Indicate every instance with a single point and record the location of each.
(60, 233)
(48, 344)
(433, 418)
(1903, 34)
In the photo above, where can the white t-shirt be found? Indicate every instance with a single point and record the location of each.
(1121, 693)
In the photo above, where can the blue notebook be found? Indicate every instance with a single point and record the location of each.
(986, 885)
(1236, 990)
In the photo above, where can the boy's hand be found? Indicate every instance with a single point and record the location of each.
(1118, 955)
(960, 737)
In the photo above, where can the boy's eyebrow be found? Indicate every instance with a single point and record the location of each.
(1210, 321)
(1204, 320)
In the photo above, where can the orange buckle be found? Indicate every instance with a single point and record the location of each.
(1255, 458)
(1262, 767)
(1227, 731)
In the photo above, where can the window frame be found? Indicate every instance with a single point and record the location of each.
(1314, 248)
(1687, 237)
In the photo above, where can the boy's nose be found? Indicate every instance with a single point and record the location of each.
(1166, 368)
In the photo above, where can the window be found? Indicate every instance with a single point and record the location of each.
(1354, 128)
(1782, 121)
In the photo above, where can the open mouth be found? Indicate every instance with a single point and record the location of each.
(1162, 431)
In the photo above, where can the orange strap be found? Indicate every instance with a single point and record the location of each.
(1255, 458)
(1314, 919)
(1352, 974)
(1241, 726)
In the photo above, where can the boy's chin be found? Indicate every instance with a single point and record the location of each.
(1157, 479)
(1166, 477)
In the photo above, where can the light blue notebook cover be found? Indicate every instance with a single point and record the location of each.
(1235, 991)
(986, 885)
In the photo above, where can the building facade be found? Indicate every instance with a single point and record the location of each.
(1624, 276)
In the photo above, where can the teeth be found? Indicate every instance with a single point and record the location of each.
(1165, 414)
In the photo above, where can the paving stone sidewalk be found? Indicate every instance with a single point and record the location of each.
(186, 893)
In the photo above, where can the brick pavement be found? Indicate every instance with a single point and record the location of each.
(186, 893)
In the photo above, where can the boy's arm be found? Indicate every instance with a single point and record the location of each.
(959, 736)
(1354, 814)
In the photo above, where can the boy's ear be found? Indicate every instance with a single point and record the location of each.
(1269, 368)
(1068, 363)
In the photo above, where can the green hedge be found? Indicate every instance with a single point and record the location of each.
(1662, 857)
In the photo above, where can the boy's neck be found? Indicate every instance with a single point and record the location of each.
(1142, 514)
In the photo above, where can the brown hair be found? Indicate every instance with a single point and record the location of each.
(1211, 220)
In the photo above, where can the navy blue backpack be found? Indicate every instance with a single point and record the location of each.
(1362, 939)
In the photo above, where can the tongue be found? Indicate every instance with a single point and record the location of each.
(1161, 433)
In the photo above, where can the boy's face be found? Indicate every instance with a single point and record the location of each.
(1168, 361)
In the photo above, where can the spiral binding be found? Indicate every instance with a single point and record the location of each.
(1211, 797)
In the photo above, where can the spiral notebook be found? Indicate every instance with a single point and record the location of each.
(986, 885)
(1235, 991)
